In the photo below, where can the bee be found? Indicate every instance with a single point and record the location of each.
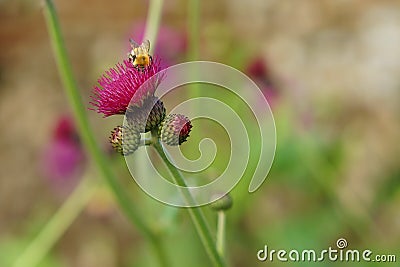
(139, 54)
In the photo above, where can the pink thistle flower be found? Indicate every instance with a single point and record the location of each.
(122, 85)
(63, 159)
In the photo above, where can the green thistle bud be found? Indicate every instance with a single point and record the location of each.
(223, 203)
(156, 116)
(175, 129)
(147, 117)
(125, 139)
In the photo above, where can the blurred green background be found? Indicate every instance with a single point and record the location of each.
(329, 69)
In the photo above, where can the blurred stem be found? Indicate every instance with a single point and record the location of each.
(196, 214)
(193, 26)
(194, 40)
(221, 232)
(86, 132)
(194, 29)
(58, 224)
(79, 112)
(153, 21)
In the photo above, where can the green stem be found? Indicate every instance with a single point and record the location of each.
(193, 22)
(221, 232)
(85, 131)
(195, 213)
(153, 21)
(57, 225)
(194, 29)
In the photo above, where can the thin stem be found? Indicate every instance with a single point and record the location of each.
(78, 108)
(86, 132)
(196, 214)
(194, 29)
(153, 21)
(193, 26)
(221, 232)
(58, 224)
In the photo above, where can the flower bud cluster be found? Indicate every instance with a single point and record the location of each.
(129, 90)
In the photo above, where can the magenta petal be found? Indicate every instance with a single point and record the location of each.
(119, 85)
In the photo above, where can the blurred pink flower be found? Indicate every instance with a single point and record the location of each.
(63, 159)
(259, 73)
(171, 45)
(121, 84)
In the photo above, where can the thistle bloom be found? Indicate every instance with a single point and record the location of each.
(63, 159)
(122, 85)
(129, 90)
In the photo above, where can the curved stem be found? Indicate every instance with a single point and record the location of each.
(196, 214)
(78, 108)
(86, 132)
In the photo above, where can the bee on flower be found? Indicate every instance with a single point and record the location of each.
(139, 55)
(128, 89)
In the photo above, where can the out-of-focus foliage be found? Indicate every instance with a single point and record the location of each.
(331, 71)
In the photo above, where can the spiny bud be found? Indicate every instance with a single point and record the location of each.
(175, 129)
(147, 117)
(224, 202)
(156, 116)
(125, 139)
